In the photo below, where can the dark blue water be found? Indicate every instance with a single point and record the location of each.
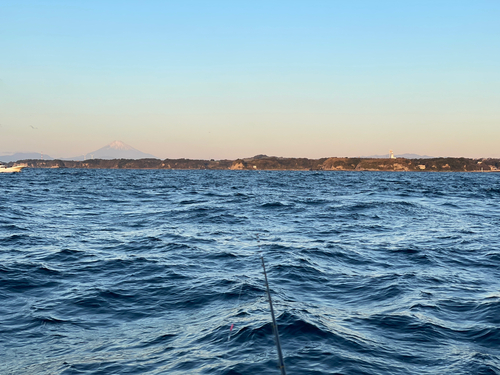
(143, 272)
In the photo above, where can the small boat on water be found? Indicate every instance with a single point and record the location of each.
(17, 168)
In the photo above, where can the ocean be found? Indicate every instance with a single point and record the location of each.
(145, 271)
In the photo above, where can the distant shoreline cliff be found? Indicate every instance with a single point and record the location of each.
(281, 164)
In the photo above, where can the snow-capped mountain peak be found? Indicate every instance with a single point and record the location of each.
(115, 150)
(119, 145)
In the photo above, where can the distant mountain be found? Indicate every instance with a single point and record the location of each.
(257, 157)
(406, 156)
(23, 156)
(115, 150)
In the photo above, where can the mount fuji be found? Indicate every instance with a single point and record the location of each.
(115, 150)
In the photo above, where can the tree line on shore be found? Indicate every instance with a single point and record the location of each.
(278, 163)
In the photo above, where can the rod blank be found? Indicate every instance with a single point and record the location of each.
(281, 363)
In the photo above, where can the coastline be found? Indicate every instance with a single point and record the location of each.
(279, 164)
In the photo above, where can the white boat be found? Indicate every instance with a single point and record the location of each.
(17, 168)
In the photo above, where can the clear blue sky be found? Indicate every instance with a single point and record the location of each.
(227, 79)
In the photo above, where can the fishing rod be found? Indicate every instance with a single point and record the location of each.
(281, 363)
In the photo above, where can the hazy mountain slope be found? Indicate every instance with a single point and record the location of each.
(115, 150)
(23, 156)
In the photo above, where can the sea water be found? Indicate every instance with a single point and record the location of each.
(145, 271)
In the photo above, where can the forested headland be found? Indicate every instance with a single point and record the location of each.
(262, 162)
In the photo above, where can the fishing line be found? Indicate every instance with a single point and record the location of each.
(238, 302)
(237, 306)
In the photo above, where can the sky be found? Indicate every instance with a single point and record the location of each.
(229, 79)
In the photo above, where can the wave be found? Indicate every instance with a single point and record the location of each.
(113, 271)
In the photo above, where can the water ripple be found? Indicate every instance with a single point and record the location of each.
(144, 272)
